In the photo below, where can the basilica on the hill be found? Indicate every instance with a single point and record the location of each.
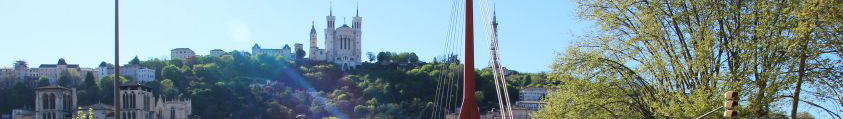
(342, 44)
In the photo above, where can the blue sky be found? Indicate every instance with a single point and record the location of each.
(82, 32)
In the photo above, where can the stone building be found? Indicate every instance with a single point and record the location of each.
(21, 73)
(530, 97)
(217, 52)
(173, 109)
(134, 71)
(286, 51)
(54, 71)
(342, 44)
(136, 102)
(182, 53)
(54, 102)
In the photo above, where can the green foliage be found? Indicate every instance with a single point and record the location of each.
(106, 88)
(68, 79)
(134, 61)
(300, 54)
(674, 59)
(88, 91)
(43, 81)
(16, 97)
(265, 86)
(804, 115)
(80, 114)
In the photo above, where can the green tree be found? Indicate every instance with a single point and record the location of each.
(106, 86)
(300, 54)
(673, 59)
(16, 97)
(67, 79)
(804, 115)
(43, 81)
(371, 56)
(384, 57)
(89, 90)
(135, 61)
(167, 89)
(413, 58)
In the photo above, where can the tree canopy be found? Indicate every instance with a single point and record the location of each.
(674, 59)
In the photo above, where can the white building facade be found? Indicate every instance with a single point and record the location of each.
(54, 102)
(531, 97)
(182, 53)
(136, 102)
(23, 74)
(286, 51)
(342, 44)
(217, 52)
(173, 109)
(134, 71)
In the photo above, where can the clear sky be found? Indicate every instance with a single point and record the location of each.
(82, 31)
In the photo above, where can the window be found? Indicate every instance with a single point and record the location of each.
(133, 101)
(146, 102)
(172, 113)
(52, 101)
(67, 101)
(124, 104)
(45, 101)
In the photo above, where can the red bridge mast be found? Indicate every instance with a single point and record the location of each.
(468, 110)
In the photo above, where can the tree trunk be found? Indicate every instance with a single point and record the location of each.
(802, 57)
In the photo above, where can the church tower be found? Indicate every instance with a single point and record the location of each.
(357, 26)
(313, 46)
(329, 32)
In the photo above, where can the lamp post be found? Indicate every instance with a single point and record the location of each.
(117, 60)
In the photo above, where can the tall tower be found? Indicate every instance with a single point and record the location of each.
(494, 44)
(313, 46)
(329, 33)
(356, 24)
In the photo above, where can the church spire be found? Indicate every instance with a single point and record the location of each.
(357, 14)
(331, 9)
(312, 27)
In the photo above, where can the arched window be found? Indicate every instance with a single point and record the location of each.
(123, 101)
(45, 101)
(67, 100)
(172, 113)
(146, 102)
(52, 101)
(134, 104)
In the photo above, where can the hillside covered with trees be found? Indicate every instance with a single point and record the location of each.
(240, 85)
